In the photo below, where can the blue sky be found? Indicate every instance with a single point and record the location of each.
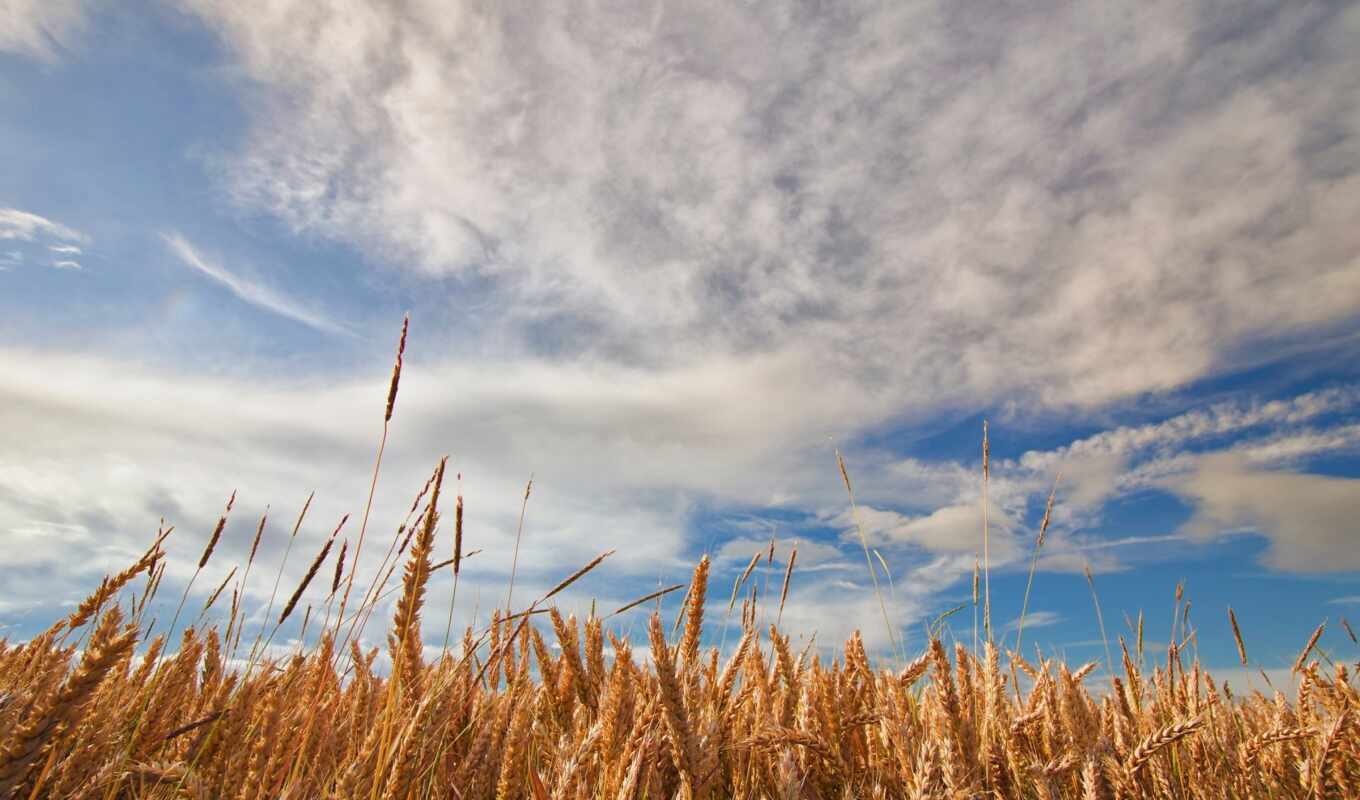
(668, 259)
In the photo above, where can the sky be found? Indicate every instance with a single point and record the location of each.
(668, 259)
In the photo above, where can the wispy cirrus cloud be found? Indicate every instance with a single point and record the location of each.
(34, 230)
(1185, 455)
(1035, 619)
(250, 291)
(887, 192)
(27, 227)
(41, 29)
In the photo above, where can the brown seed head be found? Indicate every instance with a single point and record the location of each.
(255, 545)
(1308, 648)
(339, 566)
(458, 534)
(217, 533)
(396, 370)
(311, 573)
(1237, 636)
(788, 573)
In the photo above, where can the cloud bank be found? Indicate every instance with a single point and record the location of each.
(103, 449)
(1310, 520)
(933, 202)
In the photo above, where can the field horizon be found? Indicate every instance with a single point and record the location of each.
(497, 711)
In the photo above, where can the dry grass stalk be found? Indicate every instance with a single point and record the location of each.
(648, 598)
(1349, 631)
(377, 465)
(1100, 619)
(217, 533)
(986, 535)
(259, 532)
(1237, 637)
(396, 370)
(788, 573)
(977, 585)
(311, 573)
(1034, 559)
(339, 566)
(519, 535)
(864, 542)
(741, 581)
(577, 575)
(218, 591)
(278, 576)
(1308, 648)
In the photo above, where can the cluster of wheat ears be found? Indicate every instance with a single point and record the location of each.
(504, 714)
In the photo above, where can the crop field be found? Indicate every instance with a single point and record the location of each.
(505, 714)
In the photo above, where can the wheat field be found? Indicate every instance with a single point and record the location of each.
(538, 705)
(504, 714)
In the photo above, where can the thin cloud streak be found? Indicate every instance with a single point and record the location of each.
(250, 292)
(26, 226)
(1035, 619)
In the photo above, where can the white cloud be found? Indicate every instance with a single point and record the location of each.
(1060, 556)
(1243, 681)
(252, 292)
(1278, 435)
(1310, 520)
(1191, 427)
(868, 214)
(40, 28)
(930, 203)
(810, 554)
(949, 529)
(1035, 619)
(104, 447)
(1350, 600)
(65, 249)
(27, 227)
(66, 264)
